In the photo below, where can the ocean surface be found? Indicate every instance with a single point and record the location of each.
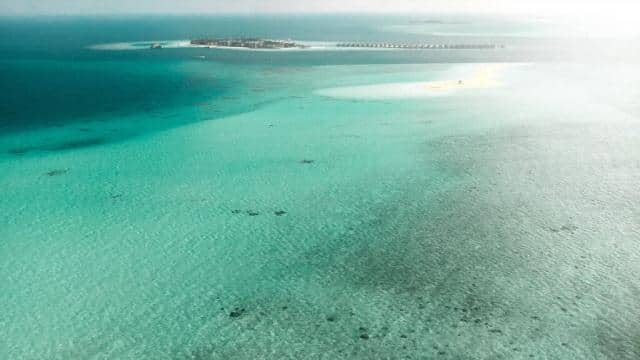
(192, 203)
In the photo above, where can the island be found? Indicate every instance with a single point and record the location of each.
(249, 43)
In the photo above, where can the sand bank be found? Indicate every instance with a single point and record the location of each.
(481, 77)
(141, 45)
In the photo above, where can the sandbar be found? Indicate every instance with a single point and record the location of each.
(483, 76)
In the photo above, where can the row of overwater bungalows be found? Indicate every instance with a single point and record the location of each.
(418, 46)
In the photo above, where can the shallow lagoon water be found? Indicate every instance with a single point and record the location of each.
(491, 223)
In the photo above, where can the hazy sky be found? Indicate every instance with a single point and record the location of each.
(551, 7)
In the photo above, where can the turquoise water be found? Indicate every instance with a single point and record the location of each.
(157, 205)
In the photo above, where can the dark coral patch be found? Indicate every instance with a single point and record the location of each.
(19, 151)
(237, 312)
(76, 144)
(57, 172)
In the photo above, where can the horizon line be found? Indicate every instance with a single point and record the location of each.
(263, 13)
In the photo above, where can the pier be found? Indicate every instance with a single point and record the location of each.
(419, 46)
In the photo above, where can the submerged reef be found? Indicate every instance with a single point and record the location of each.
(59, 146)
(75, 144)
(56, 172)
(237, 312)
(19, 150)
(255, 212)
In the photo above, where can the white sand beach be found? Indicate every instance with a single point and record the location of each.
(483, 76)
